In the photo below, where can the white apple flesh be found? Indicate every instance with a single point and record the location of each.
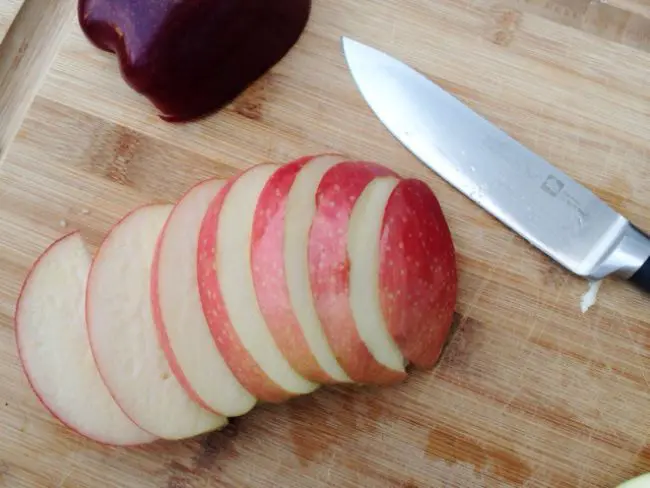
(183, 330)
(123, 335)
(55, 352)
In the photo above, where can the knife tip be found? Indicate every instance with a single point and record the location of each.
(348, 42)
(350, 48)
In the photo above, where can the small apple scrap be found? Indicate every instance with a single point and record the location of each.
(256, 289)
(191, 58)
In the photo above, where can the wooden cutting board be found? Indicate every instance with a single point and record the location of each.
(531, 392)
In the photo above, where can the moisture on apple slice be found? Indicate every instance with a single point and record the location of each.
(228, 293)
(55, 352)
(123, 334)
(183, 329)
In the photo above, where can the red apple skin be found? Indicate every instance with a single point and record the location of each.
(239, 360)
(190, 58)
(418, 276)
(329, 269)
(267, 261)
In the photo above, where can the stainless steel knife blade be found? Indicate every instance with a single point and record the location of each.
(550, 210)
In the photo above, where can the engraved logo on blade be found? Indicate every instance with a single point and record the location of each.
(552, 186)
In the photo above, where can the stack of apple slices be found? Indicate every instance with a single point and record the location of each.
(256, 289)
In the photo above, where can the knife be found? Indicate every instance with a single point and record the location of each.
(526, 193)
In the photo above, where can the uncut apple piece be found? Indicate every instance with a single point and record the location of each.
(183, 330)
(228, 294)
(418, 280)
(123, 335)
(331, 269)
(283, 217)
(190, 58)
(54, 350)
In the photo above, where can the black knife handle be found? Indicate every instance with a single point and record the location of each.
(642, 277)
(638, 250)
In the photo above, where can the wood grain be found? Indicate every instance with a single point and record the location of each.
(8, 10)
(26, 52)
(530, 392)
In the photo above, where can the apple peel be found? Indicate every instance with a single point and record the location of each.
(418, 278)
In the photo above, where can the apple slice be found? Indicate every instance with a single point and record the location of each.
(123, 335)
(363, 247)
(228, 294)
(183, 331)
(54, 349)
(330, 270)
(302, 318)
(417, 273)
(307, 351)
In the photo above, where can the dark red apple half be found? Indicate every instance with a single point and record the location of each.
(192, 57)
